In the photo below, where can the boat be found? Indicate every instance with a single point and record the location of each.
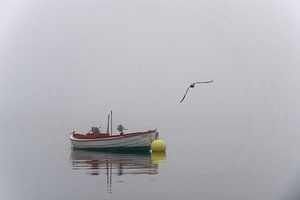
(105, 141)
(95, 140)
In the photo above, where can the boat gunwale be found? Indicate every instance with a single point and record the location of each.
(112, 137)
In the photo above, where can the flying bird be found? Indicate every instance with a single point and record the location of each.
(192, 86)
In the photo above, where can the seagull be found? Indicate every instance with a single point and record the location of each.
(192, 86)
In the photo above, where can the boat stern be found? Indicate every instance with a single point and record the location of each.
(154, 135)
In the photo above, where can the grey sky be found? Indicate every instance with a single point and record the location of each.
(67, 63)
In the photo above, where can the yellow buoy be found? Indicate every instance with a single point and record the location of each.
(158, 146)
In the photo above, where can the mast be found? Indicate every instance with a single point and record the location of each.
(111, 123)
(107, 131)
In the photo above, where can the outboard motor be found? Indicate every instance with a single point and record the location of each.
(95, 130)
(121, 129)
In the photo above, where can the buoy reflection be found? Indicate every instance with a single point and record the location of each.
(158, 157)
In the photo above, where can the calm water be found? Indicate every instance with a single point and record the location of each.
(235, 166)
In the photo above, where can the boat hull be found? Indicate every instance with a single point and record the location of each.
(131, 141)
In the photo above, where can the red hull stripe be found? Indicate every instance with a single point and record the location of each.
(114, 137)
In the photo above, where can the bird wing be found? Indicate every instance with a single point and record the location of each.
(185, 93)
(204, 81)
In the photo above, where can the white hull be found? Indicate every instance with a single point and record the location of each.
(143, 139)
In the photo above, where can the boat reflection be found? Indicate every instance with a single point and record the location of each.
(95, 163)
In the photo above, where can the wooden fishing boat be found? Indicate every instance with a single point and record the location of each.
(95, 140)
(106, 141)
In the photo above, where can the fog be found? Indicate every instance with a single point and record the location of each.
(64, 65)
(68, 63)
